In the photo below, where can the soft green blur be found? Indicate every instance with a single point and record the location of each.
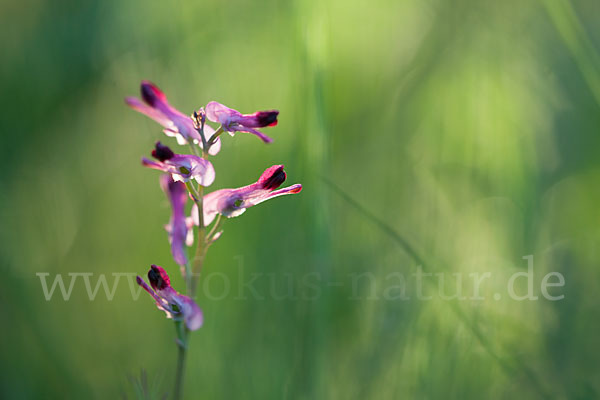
(468, 129)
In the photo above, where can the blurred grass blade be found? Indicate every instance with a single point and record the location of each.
(508, 367)
(573, 33)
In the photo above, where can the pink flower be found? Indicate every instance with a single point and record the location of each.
(234, 121)
(177, 124)
(175, 305)
(177, 228)
(181, 167)
(233, 202)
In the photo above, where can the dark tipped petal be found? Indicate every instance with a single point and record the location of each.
(267, 118)
(158, 278)
(162, 152)
(151, 94)
(272, 178)
(297, 188)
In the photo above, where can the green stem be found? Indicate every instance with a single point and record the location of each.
(215, 228)
(214, 136)
(189, 278)
(181, 353)
(193, 148)
(200, 244)
(192, 269)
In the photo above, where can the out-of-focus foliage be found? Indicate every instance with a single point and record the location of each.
(471, 128)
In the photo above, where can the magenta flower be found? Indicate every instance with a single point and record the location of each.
(175, 305)
(234, 121)
(177, 227)
(176, 124)
(181, 167)
(233, 202)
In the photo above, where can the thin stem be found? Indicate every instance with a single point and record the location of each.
(180, 373)
(200, 244)
(193, 147)
(181, 353)
(214, 136)
(193, 191)
(192, 269)
(188, 280)
(192, 272)
(215, 227)
(189, 269)
(204, 146)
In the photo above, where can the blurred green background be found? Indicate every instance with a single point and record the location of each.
(470, 128)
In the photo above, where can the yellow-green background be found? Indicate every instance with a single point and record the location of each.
(471, 128)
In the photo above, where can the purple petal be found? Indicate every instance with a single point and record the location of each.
(259, 119)
(177, 306)
(140, 281)
(156, 115)
(157, 165)
(242, 128)
(184, 167)
(177, 227)
(233, 202)
(174, 121)
(192, 314)
(200, 169)
(160, 303)
(217, 112)
(234, 121)
(216, 146)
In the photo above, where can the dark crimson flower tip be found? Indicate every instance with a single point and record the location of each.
(151, 94)
(298, 189)
(273, 177)
(267, 118)
(162, 152)
(158, 278)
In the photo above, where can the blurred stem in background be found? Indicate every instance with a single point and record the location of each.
(573, 33)
(313, 30)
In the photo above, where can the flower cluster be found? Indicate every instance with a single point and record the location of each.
(186, 175)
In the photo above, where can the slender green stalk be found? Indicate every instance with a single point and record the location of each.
(194, 150)
(182, 334)
(180, 373)
(192, 270)
(198, 259)
(215, 228)
(214, 136)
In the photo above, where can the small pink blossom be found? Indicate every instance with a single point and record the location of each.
(233, 202)
(154, 104)
(177, 228)
(234, 121)
(175, 305)
(181, 167)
